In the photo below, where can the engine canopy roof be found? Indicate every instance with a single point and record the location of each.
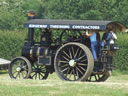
(75, 24)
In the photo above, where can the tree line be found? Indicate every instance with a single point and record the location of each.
(13, 13)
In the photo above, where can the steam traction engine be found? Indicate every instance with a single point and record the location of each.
(69, 55)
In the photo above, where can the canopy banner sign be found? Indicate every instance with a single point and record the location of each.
(65, 26)
(85, 27)
(74, 24)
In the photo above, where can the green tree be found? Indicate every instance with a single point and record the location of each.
(31, 5)
(11, 14)
(72, 9)
(122, 12)
(85, 9)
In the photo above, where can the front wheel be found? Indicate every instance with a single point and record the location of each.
(74, 62)
(19, 68)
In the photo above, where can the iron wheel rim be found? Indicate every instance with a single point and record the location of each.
(19, 69)
(75, 72)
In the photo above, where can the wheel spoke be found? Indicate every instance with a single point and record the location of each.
(17, 74)
(65, 58)
(14, 72)
(81, 57)
(15, 65)
(70, 54)
(63, 61)
(73, 51)
(90, 78)
(65, 65)
(70, 74)
(40, 67)
(76, 53)
(37, 66)
(79, 70)
(22, 74)
(67, 54)
(41, 74)
(65, 69)
(82, 64)
(24, 66)
(80, 53)
(33, 75)
(25, 69)
(36, 76)
(74, 74)
(82, 68)
(67, 72)
(19, 64)
(98, 76)
(77, 73)
(83, 60)
(34, 66)
(43, 69)
(95, 77)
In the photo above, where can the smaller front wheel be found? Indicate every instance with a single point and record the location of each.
(20, 68)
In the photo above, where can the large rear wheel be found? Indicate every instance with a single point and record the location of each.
(74, 62)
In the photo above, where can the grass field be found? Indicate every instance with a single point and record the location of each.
(116, 85)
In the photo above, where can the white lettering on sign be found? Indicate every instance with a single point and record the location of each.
(85, 27)
(37, 26)
(60, 26)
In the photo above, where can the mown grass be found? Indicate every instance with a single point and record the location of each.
(53, 86)
(61, 90)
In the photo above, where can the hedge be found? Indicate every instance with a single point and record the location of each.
(121, 56)
(11, 43)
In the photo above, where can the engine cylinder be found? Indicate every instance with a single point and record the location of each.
(35, 51)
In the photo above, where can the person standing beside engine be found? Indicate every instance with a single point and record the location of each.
(93, 41)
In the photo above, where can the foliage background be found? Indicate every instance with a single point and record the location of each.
(11, 43)
(13, 12)
(121, 57)
(13, 15)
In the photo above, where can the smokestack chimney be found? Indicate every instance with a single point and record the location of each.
(31, 15)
